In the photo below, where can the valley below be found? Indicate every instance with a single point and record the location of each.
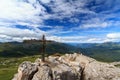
(13, 54)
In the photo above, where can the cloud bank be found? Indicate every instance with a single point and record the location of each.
(60, 20)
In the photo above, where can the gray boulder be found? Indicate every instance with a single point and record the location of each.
(67, 67)
(26, 71)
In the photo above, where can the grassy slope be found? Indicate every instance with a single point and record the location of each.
(12, 54)
(27, 49)
(108, 52)
(7, 73)
(8, 66)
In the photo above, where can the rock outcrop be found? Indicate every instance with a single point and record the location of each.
(67, 67)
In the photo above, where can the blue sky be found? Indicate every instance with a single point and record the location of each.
(75, 21)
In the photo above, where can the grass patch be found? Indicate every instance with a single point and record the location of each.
(7, 73)
(9, 66)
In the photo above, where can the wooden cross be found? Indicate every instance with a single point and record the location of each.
(44, 47)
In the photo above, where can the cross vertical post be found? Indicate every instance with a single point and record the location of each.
(43, 47)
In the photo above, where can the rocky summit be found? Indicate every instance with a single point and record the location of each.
(67, 67)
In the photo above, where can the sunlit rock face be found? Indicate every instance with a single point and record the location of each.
(67, 67)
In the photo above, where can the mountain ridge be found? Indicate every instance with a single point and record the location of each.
(108, 52)
(19, 49)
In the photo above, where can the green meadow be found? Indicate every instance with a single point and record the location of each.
(9, 66)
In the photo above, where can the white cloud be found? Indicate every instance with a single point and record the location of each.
(94, 40)
(16, 34)
(99, 40)
(84, 39)
(66, 9)
(54, 38)
(113, 35)
(109, 40)
(68, 39)
(17, 11)
(95, 25)
(45, 1)
(32, 12)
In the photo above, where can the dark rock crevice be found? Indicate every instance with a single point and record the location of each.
(32, 74)
(82, 74)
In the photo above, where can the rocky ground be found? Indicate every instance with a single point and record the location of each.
(68, 67)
